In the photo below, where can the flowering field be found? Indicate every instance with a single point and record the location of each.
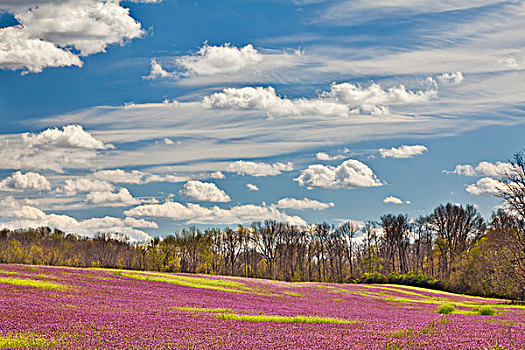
(66, 308)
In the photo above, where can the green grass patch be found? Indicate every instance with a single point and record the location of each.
(32, 283)
(484, 310)
(195, 282)
(409, 332)
(292, 294)
(21, 341)
(5, 272)
(446, 309)
(283, 319)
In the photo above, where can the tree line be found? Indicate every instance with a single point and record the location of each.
(453, 247)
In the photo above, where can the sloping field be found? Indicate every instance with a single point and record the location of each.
(65, 308)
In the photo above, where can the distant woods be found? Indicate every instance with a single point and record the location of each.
(452, 247)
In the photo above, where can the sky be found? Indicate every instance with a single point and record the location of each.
(143, 117)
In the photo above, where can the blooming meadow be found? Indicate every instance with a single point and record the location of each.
(69, 308)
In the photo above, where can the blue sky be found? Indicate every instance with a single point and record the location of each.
(143, 117)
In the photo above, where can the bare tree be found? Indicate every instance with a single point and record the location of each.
(457, 228)
(348, 232)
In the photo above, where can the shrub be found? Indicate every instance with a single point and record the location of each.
(411, 279)
(484, 310)
(374, 277)
(446, 309)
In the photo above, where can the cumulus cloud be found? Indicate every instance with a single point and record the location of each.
(204, 192)
(196, 214)
(349, 174)
(301, 204)
(403, 151)
(242, 167)
(326, 156)
(29, 181)
(47, 30)
(342, 100)
(71, 136)
(140, 223)
(158, 72)
(252, 187)
(223, 59)
(486, 185)
(16, 215)
(18, 51)
(374, 99)
(209, 60)
(267, 101)
(83, 184)
(496, 169)
(120, 198)
(394, 200)
(453, 78)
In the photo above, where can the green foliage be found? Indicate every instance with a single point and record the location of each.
(283, 319)
(374, 277)
(484, 310)
(409, 332)
(22, 341)
(402, 333)
(411, 279)
(446, 309)
(32, 283)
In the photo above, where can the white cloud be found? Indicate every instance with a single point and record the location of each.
(267, 101)
(120, 198)
(23, 182)
(393, 200)
(326, 156)
(196, 214)
(83, 184)
(204, 192)
(18, 51)
(373, 99)
(209, 60)
(403, 151)
(48, 29)
(252, 187)
(168, 141)
(301, 204)
(140, 223)
(135, 177)
(121, 176)
(453, 78)
(486, 185)
(71, 136)
(157, 72)
(16, 215)
(259, 169)
(359, 11)
(224, 59)
(349, 174)
(484, 168)
(217, 175)
(341, 100)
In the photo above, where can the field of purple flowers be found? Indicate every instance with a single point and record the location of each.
(66, 308)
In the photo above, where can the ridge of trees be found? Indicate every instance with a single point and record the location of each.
(453, 247)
